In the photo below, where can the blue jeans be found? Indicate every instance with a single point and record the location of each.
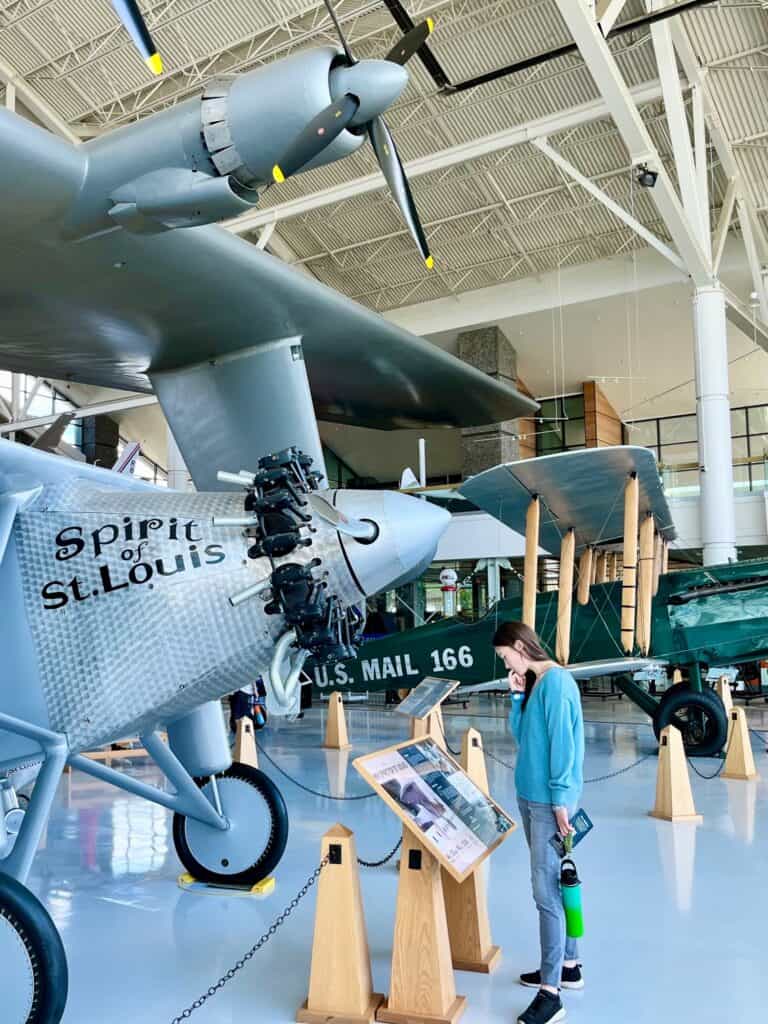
(539, 825)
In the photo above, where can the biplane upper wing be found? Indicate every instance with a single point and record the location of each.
(126, 310)
(582, 490)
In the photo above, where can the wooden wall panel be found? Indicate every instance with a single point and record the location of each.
(602, 424)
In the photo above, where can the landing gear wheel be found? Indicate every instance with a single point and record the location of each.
(251, 848)
(33, 965)
(700, 717)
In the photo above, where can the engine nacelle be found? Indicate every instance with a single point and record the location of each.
(178, 198)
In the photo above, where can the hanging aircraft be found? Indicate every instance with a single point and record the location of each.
(129, 609)
(649, 620)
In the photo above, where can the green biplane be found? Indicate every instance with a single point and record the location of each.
(699, 618)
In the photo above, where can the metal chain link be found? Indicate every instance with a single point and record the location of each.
(498, 760)
(380, 863)
(620, 771)
(240, 964)
(307, 789)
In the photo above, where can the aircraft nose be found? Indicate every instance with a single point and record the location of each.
(376, 84)
(409, 532)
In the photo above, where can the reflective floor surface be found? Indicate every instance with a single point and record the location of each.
(675, 914)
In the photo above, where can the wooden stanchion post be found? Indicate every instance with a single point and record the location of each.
(585, 575)
(531, 564)
(565, 598)
(422, 986)
(245, 744)
(645, 584)
(340, 984)
(674, 798)
(677, 676)
(432, 726)
(628, 590)
(739, 761)
(336, 737)
(466, 903)
(665, 558)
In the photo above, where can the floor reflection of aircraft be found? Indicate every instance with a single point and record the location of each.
(125, 607)
(691, 620)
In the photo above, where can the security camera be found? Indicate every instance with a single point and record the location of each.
(646, 178)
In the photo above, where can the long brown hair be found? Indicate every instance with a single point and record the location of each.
(508, 634)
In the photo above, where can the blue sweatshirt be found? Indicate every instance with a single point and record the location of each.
(550, 735)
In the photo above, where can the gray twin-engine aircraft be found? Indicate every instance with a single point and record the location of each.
(126, 609)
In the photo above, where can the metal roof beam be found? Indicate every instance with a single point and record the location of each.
(605, 72)
(607, 13)
(16, 87)
(595, 110)
(618, 211)
(98, 409)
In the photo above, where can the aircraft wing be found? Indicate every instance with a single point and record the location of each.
(580, 670)
(583, 490)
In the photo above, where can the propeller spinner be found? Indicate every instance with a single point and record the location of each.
(367, 89)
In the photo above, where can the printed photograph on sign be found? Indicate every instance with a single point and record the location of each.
(428, 695)
(438, 801)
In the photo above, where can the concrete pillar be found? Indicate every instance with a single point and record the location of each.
(489, 349)
(178, 474)
(713, 412)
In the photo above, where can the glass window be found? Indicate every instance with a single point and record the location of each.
(643, 432)
(573, 406)
(681, 483)
(741, 478)
(758, 445)
(680, 454)
(758, 419)
(674, 429)
(574, 434)
(738, 422)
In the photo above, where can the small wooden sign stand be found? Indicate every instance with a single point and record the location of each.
(422, 988)
(432, 726)
(245, 744)
(340, 984)
(674, 799)
(739, 761)
(336, 737)
(466, 903)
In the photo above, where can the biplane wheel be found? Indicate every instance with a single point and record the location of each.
(251, 848)
(33, 964)
(700, 717)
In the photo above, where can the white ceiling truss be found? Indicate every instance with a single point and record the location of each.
(496, 208)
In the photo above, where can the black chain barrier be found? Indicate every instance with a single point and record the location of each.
(240, 964)
(383, 861)
(620, 771)
(307, 789)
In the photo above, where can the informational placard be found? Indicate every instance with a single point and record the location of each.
(436, 799)
(426, 697)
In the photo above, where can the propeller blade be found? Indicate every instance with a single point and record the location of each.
(411, 42)
(392, 168)
(360, 529)
(319, 133)
(131, 17)
(340, 31)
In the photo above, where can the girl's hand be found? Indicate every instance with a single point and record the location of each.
(516, 682)
(563, 824)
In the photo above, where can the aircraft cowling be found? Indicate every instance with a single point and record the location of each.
(236, 131)
(178, 198)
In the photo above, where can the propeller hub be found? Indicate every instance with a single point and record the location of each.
(375, 83)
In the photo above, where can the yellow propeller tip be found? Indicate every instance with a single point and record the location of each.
(431, 25)
(155, 64)
(430, 262)
(278, 175)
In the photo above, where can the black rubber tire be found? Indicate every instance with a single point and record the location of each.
(706, 737)
(268, 859)
(33, 925)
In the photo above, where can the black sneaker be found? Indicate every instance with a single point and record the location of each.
(545, 1009)
(570, 978)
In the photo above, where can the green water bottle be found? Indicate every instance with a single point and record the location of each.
(570, 887)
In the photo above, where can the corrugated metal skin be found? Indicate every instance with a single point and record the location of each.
(500, 217)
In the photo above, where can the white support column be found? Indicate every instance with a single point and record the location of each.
(493, 576)
(723, 225)
(713, 411)
(15, 402)
(178, 474)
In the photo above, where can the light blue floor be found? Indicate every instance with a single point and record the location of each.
(677, 916)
